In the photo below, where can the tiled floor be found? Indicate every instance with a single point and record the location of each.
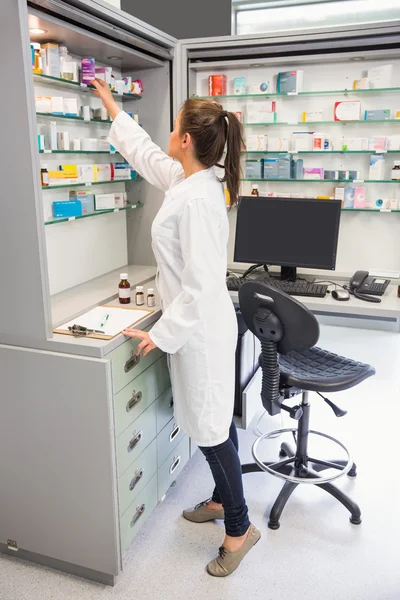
(315, 555)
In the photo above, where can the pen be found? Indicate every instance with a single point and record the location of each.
(106, 319)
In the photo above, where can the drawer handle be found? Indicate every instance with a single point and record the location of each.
(135, 440)
(132, 362)
(174, 433)
(136, 479)
(175, 464)
(139, 511)
(134, 401)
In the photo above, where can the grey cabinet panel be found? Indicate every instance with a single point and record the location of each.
(24, 306)
(57, 464)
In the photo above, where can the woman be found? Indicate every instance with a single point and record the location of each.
(198, 327)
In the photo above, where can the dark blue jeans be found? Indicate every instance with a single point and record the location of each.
(227, 473)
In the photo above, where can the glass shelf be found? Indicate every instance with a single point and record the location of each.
(308, 123)
(295, 95)
(78, 87)
(75, 119)
(371, 210)
(75, 185)
(47, 152)
(93, 214)
(320, 152)
(356, 181)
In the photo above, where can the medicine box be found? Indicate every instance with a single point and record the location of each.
(380, 77)
(120, 199)
(339, 194)
(104, 201)
(377, 115)
(297, 169)
(331, 174)
(104, 73)
(85, 198)
(63, 140)
(376, 167)
(103, 172)
(255, 143)
(379, 144)
(314, 173)
(86, 173)
(349, 197)
(310, 117)
(284, 166)
(52, 61)
(217, 85)
(120, 170)
(88, 72)
(347, 110)
(302, 141)
(254, 169)
(239, 85)
(43, 104)
(290, 82)
(261, 112)
(57, 105)
(71, 107)
(67, 208)
(277, 144)
(359, 197)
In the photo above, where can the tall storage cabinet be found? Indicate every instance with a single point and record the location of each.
(88, 442)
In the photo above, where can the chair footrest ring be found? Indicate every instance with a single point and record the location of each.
(313, 478)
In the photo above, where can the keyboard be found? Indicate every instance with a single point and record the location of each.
(293, 288)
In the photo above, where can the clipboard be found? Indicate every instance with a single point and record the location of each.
(111, 320)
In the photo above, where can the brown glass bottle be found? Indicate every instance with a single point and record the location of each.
(124, 289)
(254, 190)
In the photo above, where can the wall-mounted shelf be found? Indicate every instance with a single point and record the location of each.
(297, 94)
(370, 210)
(76, 185)
(77, 152)
(356, 181)
(311, 124)
(75, 119)
(321, 152)
(77, 87)
(93, 214)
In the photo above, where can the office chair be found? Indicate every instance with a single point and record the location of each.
(292, 365)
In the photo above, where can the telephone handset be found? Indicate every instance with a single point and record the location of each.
(364, 287)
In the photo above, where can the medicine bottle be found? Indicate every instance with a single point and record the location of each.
(151, 299)
(37, 59)
(124, 289)
(44, 176)
(254, 190)
(139, 297)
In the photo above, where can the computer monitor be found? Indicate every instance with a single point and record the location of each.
(288, 232)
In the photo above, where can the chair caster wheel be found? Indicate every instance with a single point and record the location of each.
(273, 525)
(355, 520)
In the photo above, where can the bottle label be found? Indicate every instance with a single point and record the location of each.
(124, 293)
(151, 301)
(139, 299)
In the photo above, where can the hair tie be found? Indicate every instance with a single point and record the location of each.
(224, 113)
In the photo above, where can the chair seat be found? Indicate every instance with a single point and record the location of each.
(318, 370)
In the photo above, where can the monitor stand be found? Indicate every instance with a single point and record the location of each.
(288, 273)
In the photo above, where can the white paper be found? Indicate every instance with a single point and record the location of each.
(118, 319)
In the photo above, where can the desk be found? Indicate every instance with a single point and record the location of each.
(380, 315)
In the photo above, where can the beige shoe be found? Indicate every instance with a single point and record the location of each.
(201, 513)
(227, 562)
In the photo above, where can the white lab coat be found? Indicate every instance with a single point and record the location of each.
(198, 327)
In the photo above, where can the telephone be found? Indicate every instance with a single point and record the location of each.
(364, 287)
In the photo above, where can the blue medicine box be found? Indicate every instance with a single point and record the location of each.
(255, 169)
(67, 208)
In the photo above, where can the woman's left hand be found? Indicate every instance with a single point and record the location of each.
(146, 345)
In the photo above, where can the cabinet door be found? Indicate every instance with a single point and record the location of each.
(138, 512)
(135, 479)
(168, 439)
(135, 439)
(172, 467)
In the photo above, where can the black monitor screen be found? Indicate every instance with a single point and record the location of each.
(290, 232)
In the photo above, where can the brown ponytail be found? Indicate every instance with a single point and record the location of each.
(212, 129)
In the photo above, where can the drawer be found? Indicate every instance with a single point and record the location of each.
(134, 398)
(164, 409)
(138, 512)
(135, 439)
(167, 440)
(171, 468)
(135, 479)
(126, 365)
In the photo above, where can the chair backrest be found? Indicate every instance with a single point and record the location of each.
(282, 324)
